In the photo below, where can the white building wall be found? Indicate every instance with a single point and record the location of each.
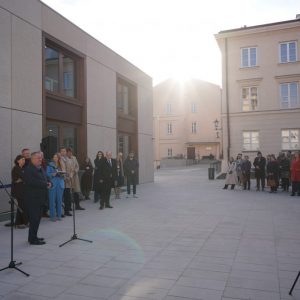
(22, 24)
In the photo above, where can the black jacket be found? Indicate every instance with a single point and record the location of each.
(17, 182)
(246, 166)
(260, 166)
(129, 166)
(35, 184)
(273, 169)
(108, 173)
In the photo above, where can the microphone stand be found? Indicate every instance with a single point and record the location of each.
(12, 264)
(74, 236)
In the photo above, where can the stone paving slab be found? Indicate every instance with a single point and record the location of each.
(184, 238)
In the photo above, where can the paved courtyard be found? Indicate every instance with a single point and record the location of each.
(183, 238)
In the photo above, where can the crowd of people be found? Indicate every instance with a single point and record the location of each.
(49, 187)
(281, 171)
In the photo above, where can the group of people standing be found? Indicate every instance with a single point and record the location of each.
(39, 185)
(283, 171)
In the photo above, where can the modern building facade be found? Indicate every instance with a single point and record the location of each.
(58, 81)
(184, 115)
(260, 100)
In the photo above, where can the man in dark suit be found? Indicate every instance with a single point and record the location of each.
(108, 179)
(36, 189)
(260, 171)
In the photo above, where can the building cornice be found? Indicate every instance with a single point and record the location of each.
(258, 29)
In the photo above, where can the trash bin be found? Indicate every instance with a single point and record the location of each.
(211, 173)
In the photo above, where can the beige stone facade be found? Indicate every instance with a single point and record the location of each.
(184, 115)
(260, 85)
(82, 107)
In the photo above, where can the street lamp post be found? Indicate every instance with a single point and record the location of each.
(218, 130)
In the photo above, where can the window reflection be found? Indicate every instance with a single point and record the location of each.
(68, 73)
(52, 70)
(70, 138)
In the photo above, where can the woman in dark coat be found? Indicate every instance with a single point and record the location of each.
(96, 181)
(17, 191)
(87, 178)
(273, 173)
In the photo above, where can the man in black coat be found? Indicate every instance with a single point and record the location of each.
(260, 171)
(131, 167)
(108, 178)
(246, 171)
(36, 189)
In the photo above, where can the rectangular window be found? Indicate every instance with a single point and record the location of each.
(288, 52)
(194, 127)
(248, 57)
(194, 108)
(250, 140)
(169, 128)
(123, 103)
(289, 95)
(169, 108)
(51, 70)
(249, 98)
(170, 152)
(69, 79)
(290, 139)
(60, 73)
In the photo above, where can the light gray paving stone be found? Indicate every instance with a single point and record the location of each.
(110, 282)
(55, 279)
(40, 289)
(141, 290)
(85, 290)
(255, 284)
(195, 293)
(117, 273)
(159, 273)
(22, 296)
(195, 273)
(6, 288)
(248, 294)
(202, 283)
(158, 283)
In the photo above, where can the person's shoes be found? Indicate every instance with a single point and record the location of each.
(41, 239)
(8, 224)
(109, 206)
(45, 215)
(263, 189)
(68, 214)
(37, 242)
(292, 194)
(79, 208)
(135, 196)
(21, 226)
(101, 207)
(62, 216)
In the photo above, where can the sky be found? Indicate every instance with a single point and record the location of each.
(171, 38)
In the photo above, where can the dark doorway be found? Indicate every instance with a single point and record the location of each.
(191, 153)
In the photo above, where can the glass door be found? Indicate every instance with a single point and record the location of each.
(66, 135)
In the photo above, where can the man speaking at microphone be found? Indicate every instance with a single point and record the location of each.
(36, 185)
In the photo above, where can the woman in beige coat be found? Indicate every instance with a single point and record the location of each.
(231, 176)
(74, 178)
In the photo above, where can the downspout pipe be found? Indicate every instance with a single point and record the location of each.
(227, 102)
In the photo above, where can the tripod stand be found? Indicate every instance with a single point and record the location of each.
(291, 291)
(74, 236)
(12, 264)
